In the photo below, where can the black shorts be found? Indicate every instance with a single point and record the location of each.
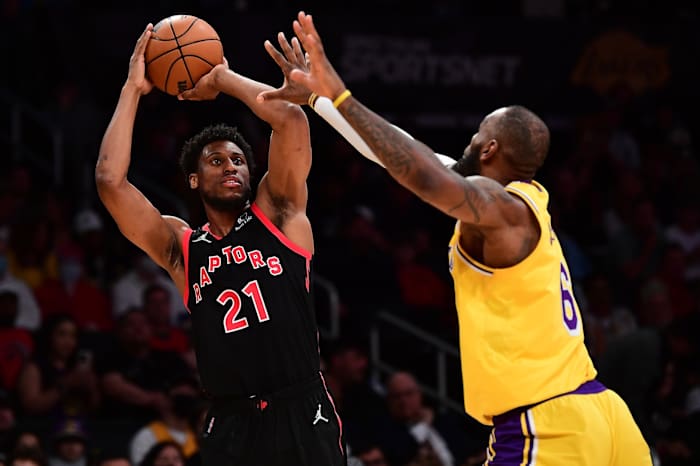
(297, 426)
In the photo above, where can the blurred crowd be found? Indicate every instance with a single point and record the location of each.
(96, 362)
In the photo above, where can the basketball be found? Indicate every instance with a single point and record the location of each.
(182, 49)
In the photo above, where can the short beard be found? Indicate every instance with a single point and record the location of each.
(235, 204)
(468, 165)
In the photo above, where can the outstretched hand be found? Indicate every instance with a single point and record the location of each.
(206, 87)
(321, 77)
(293, 58)
(137, 63)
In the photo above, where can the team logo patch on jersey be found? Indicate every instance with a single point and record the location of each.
(242, 220)
(202, 237)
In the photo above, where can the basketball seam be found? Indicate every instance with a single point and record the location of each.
(178, 47)
(182, 56)
(201, 58)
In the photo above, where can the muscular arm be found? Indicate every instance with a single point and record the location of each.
(289, 160)
(475, 200)
(136, 217)
(410, 162)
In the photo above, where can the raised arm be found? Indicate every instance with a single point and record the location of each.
(475, 200)
(294, 58)
(289, 159)
(137, 218)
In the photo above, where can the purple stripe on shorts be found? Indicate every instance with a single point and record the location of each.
(509, 441)
(587, 388)
(529, 434)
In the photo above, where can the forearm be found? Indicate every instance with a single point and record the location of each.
(325, 109)
(116, 387)
(115, 150)
(41, 401)
(275, 112)
(406, 159)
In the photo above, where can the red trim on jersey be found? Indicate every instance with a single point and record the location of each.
(206, 228)
(186, 252)
(276, 231)
(335, 411)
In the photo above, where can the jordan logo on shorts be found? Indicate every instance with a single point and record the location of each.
(319, 416)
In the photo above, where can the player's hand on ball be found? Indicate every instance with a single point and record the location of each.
(137, 64)
(206, 87)
(293, 58)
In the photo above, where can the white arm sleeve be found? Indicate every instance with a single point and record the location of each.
(324, 107)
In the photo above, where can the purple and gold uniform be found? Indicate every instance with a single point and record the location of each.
(525, 367)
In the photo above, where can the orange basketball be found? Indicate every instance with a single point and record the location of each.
(182, 49)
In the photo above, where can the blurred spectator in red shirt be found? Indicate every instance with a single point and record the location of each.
(165, 336)
(16, 344)
(72, 293)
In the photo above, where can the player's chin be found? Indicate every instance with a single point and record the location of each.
(228, 199)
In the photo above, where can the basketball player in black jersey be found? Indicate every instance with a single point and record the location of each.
(244, 275)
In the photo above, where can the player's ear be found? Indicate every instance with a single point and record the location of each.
(194, 181)
(490, 147)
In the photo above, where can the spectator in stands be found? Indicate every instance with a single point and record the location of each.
(174, 423)
(370, 454)
(89, 233)
(410, 425)
(32, 257)
(72, 293)
(59, 380)
(427, 297)
(357, 403)
(104, 455)
(7, 423)
(164, 454)
(165, 335)
(28, 313)
(685, 232)
(134, 376)
(27, 457)
(637, 250)
(604, 320)
(16, 344)
(127, 291)
(69, 444)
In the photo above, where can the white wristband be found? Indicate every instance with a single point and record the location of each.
(324, 107)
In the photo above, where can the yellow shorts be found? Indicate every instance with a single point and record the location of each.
(590, 426)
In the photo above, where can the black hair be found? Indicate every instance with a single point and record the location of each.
(524, 138)
(154, 288)
(152, 454)
(48, 327)
(193, 147)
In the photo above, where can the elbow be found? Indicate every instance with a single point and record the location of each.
(290, 115)
(106, 180)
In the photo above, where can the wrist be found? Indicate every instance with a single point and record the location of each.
(340, 98)
(218, 74)
(131, 89)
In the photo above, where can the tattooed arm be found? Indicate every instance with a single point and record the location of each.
(474, 200)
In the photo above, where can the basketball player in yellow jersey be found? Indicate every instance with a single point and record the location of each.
(525, 368)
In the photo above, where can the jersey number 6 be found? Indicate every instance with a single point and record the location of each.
(568, 305)
(232, 323)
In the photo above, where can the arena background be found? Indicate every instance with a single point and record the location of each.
(616, 81)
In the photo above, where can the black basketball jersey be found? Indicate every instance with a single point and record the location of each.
(253, 321)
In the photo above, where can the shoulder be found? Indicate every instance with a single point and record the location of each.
(177, 225)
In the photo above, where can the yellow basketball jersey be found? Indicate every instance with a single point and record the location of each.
(521, 335)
